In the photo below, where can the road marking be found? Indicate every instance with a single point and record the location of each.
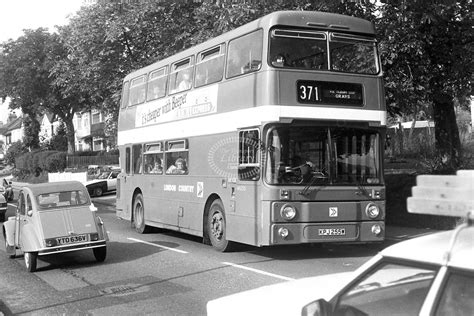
(258, 271)
(155, 245)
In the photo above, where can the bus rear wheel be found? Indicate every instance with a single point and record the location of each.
(216, 227)
(139, 214)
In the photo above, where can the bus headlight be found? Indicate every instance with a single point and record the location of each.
(283, 232)
(376, 229)
(372, 210)
(288, 212)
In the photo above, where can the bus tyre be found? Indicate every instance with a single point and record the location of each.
(139, 214)
(216, 227)
(30, 261)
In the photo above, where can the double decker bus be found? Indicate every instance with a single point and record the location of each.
(270, 134)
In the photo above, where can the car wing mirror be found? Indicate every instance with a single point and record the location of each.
(317, 308)
(29, 213)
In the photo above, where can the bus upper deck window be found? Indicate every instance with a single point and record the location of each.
(298, 49)
(354, 54)
(125, 94)
(137, 91)
(245, 54)
(181, 76)
(157, 84)
(210, 66)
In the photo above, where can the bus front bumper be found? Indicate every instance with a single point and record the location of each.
(353, 232)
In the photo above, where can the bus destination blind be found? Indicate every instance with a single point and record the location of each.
(315, 92)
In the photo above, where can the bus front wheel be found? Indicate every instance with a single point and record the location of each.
(139, 214)
(216, 227)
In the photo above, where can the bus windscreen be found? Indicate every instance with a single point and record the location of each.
(323, 156)
(309, 50)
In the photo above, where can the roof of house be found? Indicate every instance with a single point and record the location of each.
(12, 125)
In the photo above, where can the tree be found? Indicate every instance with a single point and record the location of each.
(427, 52)
(15, 150)
(25, 79)
(106, 41)
(59, 140)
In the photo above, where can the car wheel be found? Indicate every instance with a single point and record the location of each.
(100, 253)
(30, 261)
(2, 217)
(216, 227)
(98, 191)
(139, 215)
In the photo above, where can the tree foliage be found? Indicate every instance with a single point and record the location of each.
(427, 52)
(24, 77)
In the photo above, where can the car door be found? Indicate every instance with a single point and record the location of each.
(112, 181)
(20, 218)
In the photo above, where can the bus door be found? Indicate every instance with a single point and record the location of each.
(242, 219)
(125, 183)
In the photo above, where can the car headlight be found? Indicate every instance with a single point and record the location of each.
(372, 210)
(288, 212)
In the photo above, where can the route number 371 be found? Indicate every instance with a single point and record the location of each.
(308, 92)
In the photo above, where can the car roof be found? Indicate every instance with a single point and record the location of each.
(433, 249)
(59, 186)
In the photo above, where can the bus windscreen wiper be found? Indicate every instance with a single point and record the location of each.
(315, 176)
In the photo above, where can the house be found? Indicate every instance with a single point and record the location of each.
(49, 125)
(89, 127)
(12, 132)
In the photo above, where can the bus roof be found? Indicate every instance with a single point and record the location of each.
(307, 19)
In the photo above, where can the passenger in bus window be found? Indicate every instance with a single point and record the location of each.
(185, 82)
(157, 168)
(179, 167)
(156, 92)
(279, 61)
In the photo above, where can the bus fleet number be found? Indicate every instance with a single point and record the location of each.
(308, 93)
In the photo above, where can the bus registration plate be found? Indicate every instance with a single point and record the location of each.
(71, 239)
(332, 232)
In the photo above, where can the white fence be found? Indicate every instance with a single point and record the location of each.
(67, 176)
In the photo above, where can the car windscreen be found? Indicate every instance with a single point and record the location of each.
(62, 199)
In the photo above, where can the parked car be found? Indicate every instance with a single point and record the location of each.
(428, 275)
(105, 182)
(54, 218)
(3, 208)
(6, 189)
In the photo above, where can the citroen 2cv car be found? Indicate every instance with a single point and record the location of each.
(53, 218)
